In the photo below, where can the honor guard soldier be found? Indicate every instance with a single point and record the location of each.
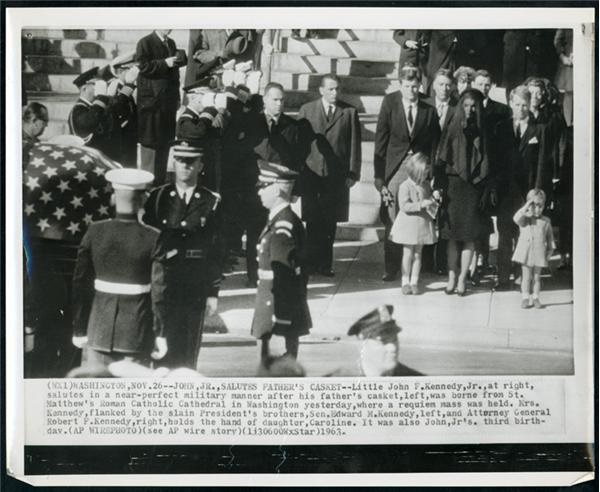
(115, 278)
(281, 307)
(188, 216)
(195, 125)
(89, 119)
(379, 351)
(121, 89)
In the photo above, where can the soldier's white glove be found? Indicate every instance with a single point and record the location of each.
(253, 81)
(112, 88)
(131, 75)
(100, 88)
(29, 339)
(208, 99)
(227, 77)
(239, 78)
(79, 342)
(220, 101)
(160, 348)
(211, 306)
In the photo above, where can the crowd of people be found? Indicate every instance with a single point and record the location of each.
(228, 165)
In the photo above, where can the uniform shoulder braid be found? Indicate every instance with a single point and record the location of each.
(213, 196)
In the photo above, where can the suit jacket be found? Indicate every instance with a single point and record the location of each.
(116, 251)
(281, 305)
(518, 164)
(493, 113)
(123, 145)
(527, 52)
(441, 52)
(335, 148)
(287, 144)
(157, 90)
(393, 140)
(416, 57)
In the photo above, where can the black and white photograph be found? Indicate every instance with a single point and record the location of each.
(258, 228)
(294, 201)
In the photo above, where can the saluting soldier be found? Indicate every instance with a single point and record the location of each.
(195, 125)
(115, 278)
(121, 90)
(281, 306)
(187, 213)
(89, 118)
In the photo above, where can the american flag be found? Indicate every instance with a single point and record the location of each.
(64, 190)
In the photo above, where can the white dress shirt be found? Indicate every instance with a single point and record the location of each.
(326, 107)
(523, 126)
(185, 193)
(442, 109)
(407, 105)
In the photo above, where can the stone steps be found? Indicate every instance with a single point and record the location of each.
(60, 65)
(367, 50)
(380, 35)
(350, 84)
(70, 48)
(180, 36)
(322, 64)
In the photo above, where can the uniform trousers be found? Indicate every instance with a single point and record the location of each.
(155, 161)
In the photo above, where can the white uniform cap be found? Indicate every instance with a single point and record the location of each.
(129, 179)
(221, 101)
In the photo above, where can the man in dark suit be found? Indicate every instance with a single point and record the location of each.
(518, 161)
(405, 126)
(189, 219)
(412, 50)
(445, 107)
(115, 279)
(157, 99)
(275, 137)
(90, 119)
(493, 111)
(332, 168)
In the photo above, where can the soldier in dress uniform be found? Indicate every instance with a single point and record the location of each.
(195, 125)
(89, 118)
(117, 268)
(121, 90)
(187, 213)
(379, 351)
(281, 307)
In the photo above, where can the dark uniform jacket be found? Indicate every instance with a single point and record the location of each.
(91, 122)
(118, 251)
(393, 141)
(518, 163)
(416, 57)
(189, 245)
(158, 91)
(123, 145)
(335, 151)
(281, 306)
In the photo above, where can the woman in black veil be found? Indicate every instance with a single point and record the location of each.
(463, 172)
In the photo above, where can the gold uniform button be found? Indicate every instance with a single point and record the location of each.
(183, 223)
(164, 221)
(268, 303)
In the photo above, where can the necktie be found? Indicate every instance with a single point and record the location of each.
(411, 120)
(166, 45)
(518, 131)
(330, 112)
(272, 125)
(440, 109)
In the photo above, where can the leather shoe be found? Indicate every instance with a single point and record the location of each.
(537, 304)
(415, 289)
(389, 277)
(406, 290)
(525, 304)
(326, 272)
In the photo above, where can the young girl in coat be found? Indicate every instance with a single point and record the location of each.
(414, 225)
(534, 247)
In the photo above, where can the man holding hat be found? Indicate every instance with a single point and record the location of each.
(379, 351)
(157, 99)
(89, 119)
(188, 216)
(281, 306)
(116, 276)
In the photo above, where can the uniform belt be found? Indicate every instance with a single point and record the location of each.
(195, 253)
(119, 288)
(265, 274)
